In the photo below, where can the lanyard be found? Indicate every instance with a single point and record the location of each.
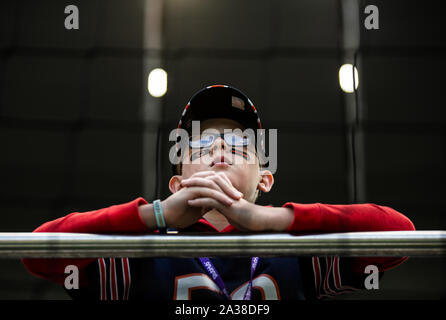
(212, 271)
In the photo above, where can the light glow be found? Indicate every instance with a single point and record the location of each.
(157, 83)
(346, 78)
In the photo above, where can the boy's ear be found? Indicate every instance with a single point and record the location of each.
(175, 183)
(266, 181)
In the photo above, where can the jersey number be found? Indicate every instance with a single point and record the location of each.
(184, 285)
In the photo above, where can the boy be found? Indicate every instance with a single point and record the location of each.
(214, 189)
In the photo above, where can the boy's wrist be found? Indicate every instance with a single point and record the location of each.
(285, 217)
(147, 214)
(255, 216)
(276, 218)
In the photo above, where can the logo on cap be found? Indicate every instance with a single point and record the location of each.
(238, 103)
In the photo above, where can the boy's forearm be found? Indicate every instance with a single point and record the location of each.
(253, 217)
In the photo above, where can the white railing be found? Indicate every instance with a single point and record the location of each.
(77, 245)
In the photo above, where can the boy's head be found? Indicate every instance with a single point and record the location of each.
(222, 144)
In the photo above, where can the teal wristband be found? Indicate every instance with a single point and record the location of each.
(159, 216)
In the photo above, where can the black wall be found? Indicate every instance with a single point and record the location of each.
(70, 119)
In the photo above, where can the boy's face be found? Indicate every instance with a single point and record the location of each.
(240, 164)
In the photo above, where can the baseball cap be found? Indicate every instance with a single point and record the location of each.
(219, 101)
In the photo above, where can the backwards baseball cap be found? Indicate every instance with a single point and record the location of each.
(219, 101)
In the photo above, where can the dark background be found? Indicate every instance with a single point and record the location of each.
(71, 119)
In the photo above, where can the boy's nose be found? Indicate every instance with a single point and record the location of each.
(219, 144)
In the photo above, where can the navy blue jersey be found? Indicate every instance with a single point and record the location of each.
(186, 279)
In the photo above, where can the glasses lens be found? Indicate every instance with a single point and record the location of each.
(202, 141)
(236, 140)
(232, 139)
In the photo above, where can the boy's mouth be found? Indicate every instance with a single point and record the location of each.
(221, 161)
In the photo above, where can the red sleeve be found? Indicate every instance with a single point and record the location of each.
(326, 218)
(123, 218)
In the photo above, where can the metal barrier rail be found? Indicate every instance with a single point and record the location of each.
(77, 245)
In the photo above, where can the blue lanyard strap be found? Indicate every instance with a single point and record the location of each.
(212, 271)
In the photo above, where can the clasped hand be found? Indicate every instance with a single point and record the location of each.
(208, 190)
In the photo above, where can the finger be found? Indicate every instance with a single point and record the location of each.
(206, 202)
(228, 188)
(201, 182)
(209, 173)
(203, 192)
(214, 182)
(224, 176)
(221, 177)
(202, 174)
(217, 176)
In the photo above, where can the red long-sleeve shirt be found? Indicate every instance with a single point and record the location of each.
(308, 218)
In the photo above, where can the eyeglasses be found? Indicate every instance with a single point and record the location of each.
(208, 139)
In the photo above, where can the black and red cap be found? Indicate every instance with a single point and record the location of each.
(219, 101)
